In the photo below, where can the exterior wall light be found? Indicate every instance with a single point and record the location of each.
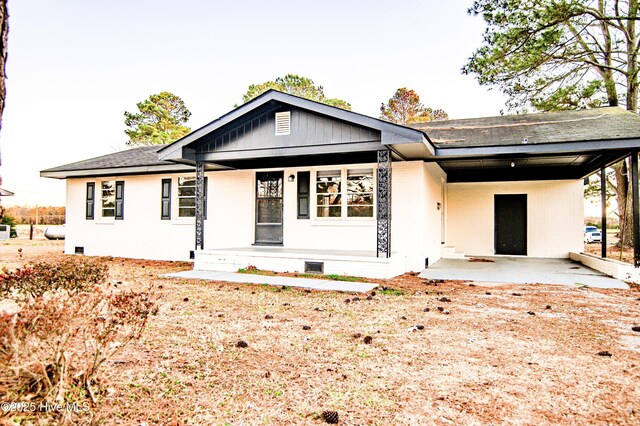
(292, 178)
(513, 164)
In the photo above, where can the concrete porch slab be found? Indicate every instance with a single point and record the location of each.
(339, 262)
(310, 283)
(521, 270)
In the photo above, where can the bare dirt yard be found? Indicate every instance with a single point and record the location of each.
(613, 252)
(417, 352)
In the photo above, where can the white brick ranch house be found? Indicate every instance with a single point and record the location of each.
(288, 184)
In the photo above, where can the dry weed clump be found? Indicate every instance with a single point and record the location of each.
(63, 330)
(34, 279)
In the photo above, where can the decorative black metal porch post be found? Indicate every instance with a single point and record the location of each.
(603, 201)
(636, 209)
(383, 204)
(199, 205)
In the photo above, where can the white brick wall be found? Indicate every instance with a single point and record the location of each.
(416, 220)
(142, 233)
(416, 188)
(436, 180)
(554, 216)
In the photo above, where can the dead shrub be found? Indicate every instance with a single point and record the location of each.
(37, 278)
(65, 328)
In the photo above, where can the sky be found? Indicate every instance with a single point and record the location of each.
(75, 67)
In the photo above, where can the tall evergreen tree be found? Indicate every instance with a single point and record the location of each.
(563, 54)
(159, 120)
(295, 85)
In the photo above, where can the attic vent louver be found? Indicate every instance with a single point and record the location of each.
(283, 123)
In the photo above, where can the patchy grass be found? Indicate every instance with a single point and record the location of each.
(255, 271)
(489, 361)
(333, 277)
(392, 291)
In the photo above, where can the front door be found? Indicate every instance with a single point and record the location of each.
(511, 224)
(269, 207)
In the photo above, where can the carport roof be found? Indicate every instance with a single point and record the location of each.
(599, 124)
(541, 146)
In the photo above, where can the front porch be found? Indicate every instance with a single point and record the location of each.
(279, 259)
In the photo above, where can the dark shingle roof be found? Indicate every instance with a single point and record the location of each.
(611, 123)
(549, 127)
(134, 157)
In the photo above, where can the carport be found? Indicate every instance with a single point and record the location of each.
(566, 145)
(520, 270)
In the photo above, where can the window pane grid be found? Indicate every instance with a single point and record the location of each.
(186, 196)
(360, 193)
(108, 198)
(329, 193)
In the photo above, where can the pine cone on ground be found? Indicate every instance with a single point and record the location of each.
(330, 417)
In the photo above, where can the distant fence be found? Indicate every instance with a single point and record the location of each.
(23, 231)
(41, 215)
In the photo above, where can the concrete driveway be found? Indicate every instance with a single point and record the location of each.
(520, 270)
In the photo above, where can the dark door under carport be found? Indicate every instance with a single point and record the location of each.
(510, 224)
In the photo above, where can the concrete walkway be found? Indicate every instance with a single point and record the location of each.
(310, 283)
(520, 270)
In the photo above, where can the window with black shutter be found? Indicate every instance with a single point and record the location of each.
(304, 179)
(119, 200)
(166, 199)
(91, 195)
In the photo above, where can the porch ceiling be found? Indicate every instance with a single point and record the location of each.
(528, 167)
(322, 159)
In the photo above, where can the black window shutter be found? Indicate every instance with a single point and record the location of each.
(91, 195)
(206, 185)
(119, 200)
(303, 194)
(166, 199)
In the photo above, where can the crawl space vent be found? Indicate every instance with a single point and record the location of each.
(314, 267)
(283, 123)
(79, 250)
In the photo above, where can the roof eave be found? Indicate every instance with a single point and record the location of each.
(112, 171)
